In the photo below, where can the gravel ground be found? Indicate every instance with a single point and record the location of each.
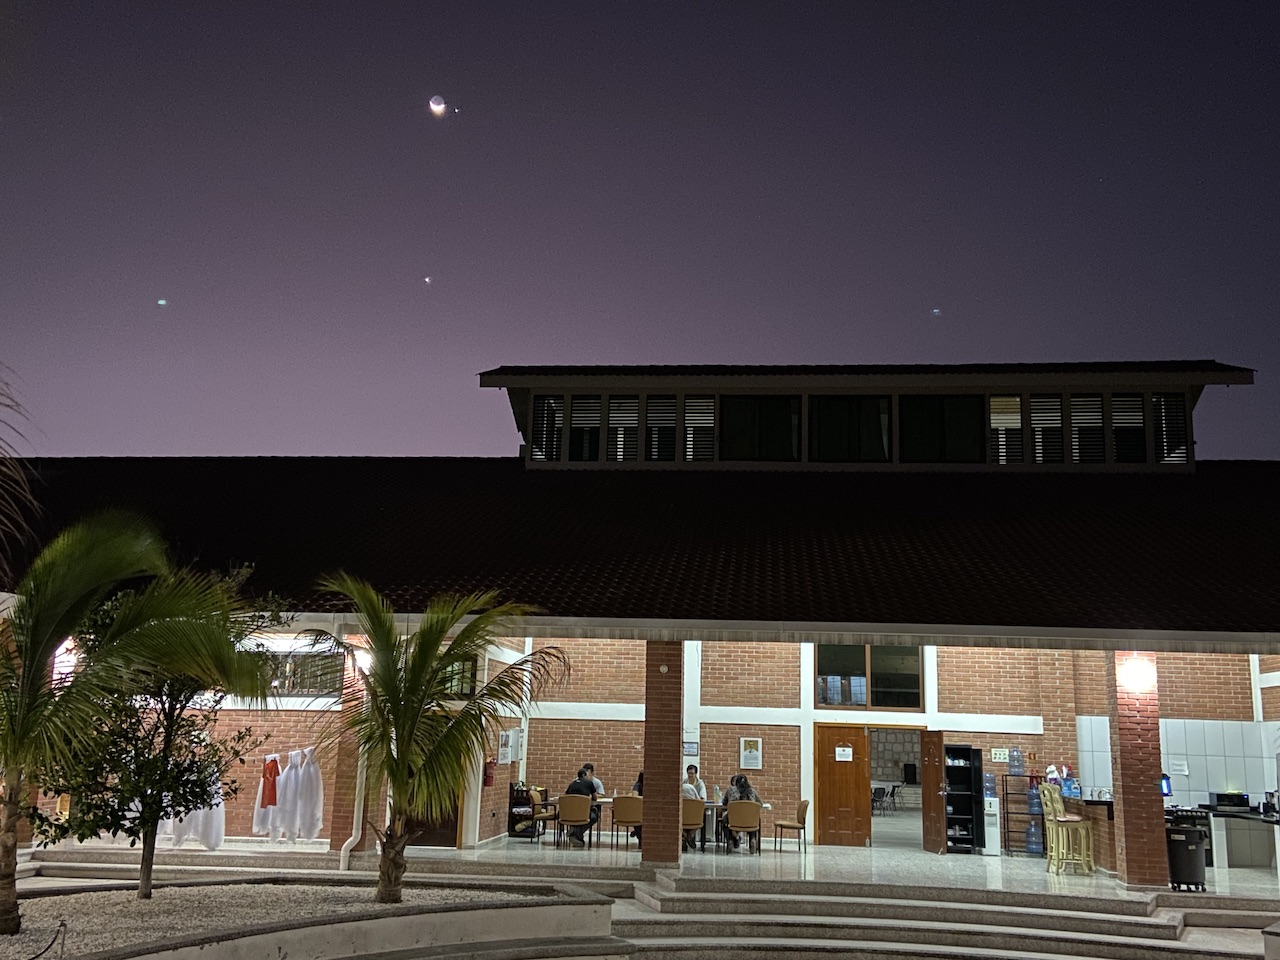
(117, 918)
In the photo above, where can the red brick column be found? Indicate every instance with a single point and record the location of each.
(1141, 860)
(663, 732)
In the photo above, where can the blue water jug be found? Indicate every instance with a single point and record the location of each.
(1035, 839)
(1034, 806)
(1016, 768)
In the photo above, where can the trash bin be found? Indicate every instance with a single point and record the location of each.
(1186, 857)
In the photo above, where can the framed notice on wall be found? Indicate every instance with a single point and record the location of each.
(844, 753)
(504, 746)
(750, 757)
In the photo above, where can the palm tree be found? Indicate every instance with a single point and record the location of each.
(414, 725)
(15, 490)
(175, 624)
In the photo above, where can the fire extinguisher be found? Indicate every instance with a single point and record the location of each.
(490, 766)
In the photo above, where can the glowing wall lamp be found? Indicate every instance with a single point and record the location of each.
(1136, 675)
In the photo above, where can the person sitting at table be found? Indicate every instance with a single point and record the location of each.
(595, 781)
(739, 789)
(638, 789)
(582, 787)
(693, 787)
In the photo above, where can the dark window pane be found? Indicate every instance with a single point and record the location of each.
(584, 428)
(306, 674)
(1128, 426)
(1046, 428)
(941, 429)
(660, 428)
(759, 428)
(848, 429)
(1169, 416)
(842, 675)
(624, 428)
(548, 421)
(1087, 445)
(699, 428)
(895, 677)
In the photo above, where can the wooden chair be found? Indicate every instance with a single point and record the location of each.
(802, 811)
(1068, 837)
(575, 811)
(743, 817)
(693, 814)
(628, 813)
(541, 815)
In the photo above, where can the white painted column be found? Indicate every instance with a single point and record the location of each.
(691, 705)
(808, 666)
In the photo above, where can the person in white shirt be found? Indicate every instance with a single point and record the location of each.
(597, 786)
(693, 787)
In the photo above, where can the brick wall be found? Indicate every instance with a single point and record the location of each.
(1092, 696)
(1271, 703)
(1269, 663)
(1031, 746)
(510, 643)
(988, 681)
(557, 748)
(285, 730)
(778, 783)
(755, 674)
(1205, 686)
(1058, 708)
(494, 800)
(663, 696)
(602, 671)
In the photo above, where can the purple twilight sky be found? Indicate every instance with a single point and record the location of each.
(634, 182)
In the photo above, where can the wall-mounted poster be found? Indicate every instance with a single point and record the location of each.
(504, 747)
(844, 753)
(690, 748)
(749, 754)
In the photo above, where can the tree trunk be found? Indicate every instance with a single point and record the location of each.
(391, 865)
(10, 816)
(148, 862)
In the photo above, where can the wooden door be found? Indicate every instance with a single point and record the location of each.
(842, 788)
(933, 804)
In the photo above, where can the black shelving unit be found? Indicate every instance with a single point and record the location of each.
(1014, 808)
(962, 769)
(519, 810)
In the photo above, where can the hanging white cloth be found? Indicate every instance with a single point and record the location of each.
(283, 822)
(207, 826)
(268, 795)
(310, 796)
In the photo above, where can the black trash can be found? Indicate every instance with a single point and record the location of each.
(1186, 857)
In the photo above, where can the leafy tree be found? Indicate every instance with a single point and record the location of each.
(150, 760)
(159, 756)
(415, 726)
(175, 625)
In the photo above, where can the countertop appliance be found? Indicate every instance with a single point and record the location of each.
(1229, 802)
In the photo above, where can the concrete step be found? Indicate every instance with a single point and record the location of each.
(764, 948)
(554, 948)
(740, 935)
(1130, 905)
(1048, 916)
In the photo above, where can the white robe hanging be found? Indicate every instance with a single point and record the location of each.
(310, 797)
(283, 822)
(207, 826)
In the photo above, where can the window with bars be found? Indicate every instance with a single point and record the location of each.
(1087, 443)
(1046, 428)
(1129, 427)
(1006, 429)
(1169, 423)
(306, 674)
(940, 429)
(584, 428)
(700, 428)
(849, 429)
(548, 423)
(759, 427)
(660, 427)
(624, 429)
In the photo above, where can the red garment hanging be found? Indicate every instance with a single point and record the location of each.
(270, 770)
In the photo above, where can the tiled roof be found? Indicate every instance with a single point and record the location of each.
(1108, 368)
(1186, 551)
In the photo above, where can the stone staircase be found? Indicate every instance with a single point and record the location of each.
(703, 918)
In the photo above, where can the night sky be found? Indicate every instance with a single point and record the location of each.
(621, 183)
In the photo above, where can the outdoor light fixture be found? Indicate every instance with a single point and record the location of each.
(1136, 675)
(364, 660)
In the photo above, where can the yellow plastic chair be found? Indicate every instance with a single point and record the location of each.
(628, 813)
(693, 814)
(802, 812)
(743, 817)
(575, 811)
